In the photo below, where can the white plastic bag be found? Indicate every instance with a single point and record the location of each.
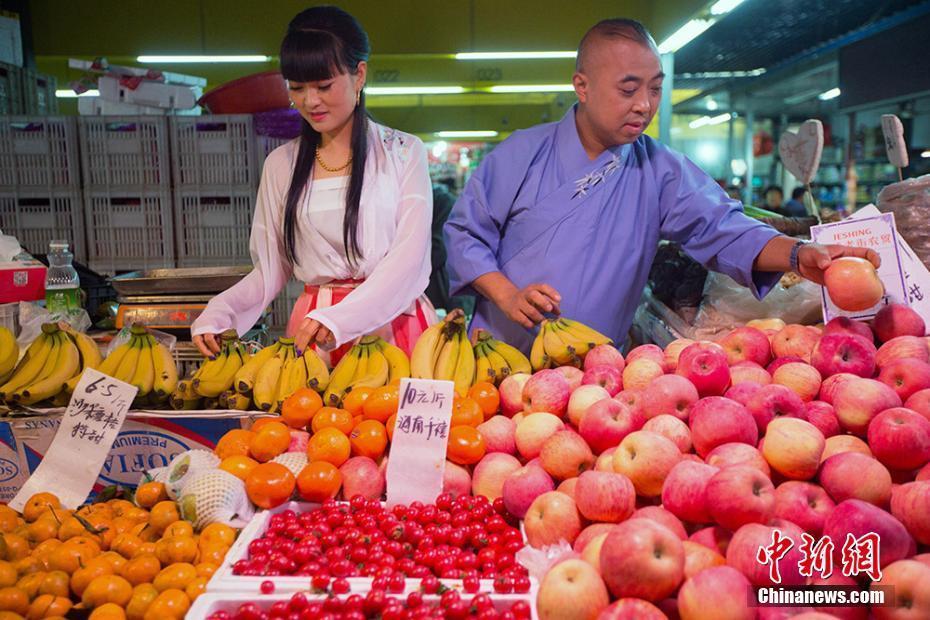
(122, 337)
(728, 305)
(32, 316)
(538, 562)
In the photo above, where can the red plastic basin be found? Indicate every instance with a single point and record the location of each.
(259, 92)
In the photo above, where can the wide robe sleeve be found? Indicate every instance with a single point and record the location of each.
(709, 225)
(241, 305)
(402, 274)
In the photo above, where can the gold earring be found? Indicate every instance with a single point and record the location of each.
(292, 103)
(358, 97)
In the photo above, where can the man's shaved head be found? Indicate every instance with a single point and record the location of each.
(611, 29)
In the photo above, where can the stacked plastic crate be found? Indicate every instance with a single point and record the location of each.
(39, 93)
(11, 86)
(40, 196)
(127, 192)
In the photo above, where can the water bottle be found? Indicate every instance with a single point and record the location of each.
(62, 284)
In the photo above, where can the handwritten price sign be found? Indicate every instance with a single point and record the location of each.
(418, 449)
(89, 427)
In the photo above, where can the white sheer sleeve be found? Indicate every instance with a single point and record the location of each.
(402, 275)
(241, 305)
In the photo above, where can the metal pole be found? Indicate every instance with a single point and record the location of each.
(665, 103)
(747, 147)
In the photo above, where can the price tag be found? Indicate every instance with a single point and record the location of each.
(89, 427)
(418, 449)
(895, 146)
(877, 233)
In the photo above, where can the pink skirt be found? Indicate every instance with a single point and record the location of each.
(403, 331)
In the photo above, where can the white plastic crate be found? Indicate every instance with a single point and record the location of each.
(282, 305)
(128, 231)
(39, 93)
(39, 151)
(213, 227)
(213, 150)
(37, 217)
(11, 89)
(263, 148)
(124, 151)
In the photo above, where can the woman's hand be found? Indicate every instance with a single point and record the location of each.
(209, 345)
(311, 332)
(814, 259)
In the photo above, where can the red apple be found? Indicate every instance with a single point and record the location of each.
(853, 284)
(794, 340)
(717, 420)
(565, 455)
(684, 491)
(837, 352)
(552, 517)
(743, 391)
(778, 362)
(522, 487)
(767, 325)
(572, 589)
(902, 348)
(900, 438)
(607, 422)
(749, 371)
(499, 433)
(714, 537)
(910, 504)
(605, 462)
(858, 518)
(511, 393)
(548, 391)
(672, 428)
(723, 585)
(747, 344)
(738, 495)
(663, 517)
(673, 352)
(604, 354)
(920, 402)
(608, 377)
(842, 324)
(646, 459)
(923, 474)
(647, 351)
(568, 487)
(803, 379)
(582, 399)
(742, 554)
(909, 581)
(633, 398)
(906, 377)
(572, 375)
(642, 559)
(455, 480)
(857, 401)
(639, 373)
(698, 558)
(705, 365)
(491, 472)
(852, 475)
(850, 612)
(838, 444)
(803, 503)
(669, 394)
(896, 320)
(830, 384)
(632, 609)
(589, 533)
(533, 431)
(592, 552)
(821, 415)
(738, 454)
(793, 447)
(602, 496)
(774, 401)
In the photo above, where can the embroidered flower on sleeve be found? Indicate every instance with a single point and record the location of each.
(592, 179)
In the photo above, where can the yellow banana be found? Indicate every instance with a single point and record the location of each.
(186, 389)
(115, 358)
(210, 369)
(512, 355)
(66, 365)
(166, 371)
(143, 376)
(179, 403)
(583, 333)
(127, 367)
(245, 378)
(397, 360)
(293, 377)
(90, 352)
(377, 370)
(280, 391)
(9, 353)
(237, 401)
(30, 366)
(340, 380)
(483, 370)
(538, 357)
(556, 348)
(266, 383)
(448, 357)
(214, 384)
(317, 372)
(464, 376)
(425, 352)
(498, 363)
(362, 369)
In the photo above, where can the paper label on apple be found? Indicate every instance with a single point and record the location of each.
(877, 233)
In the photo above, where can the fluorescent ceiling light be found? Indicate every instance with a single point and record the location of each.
(167, 58)
(684, 35)
(70, 94)
(724, 6)
(802, 96)
(532, 88)
(925, 154)
(479, 133)
(833, 93)
(710, 75)
(513, 55)
(720, 118)
(414, 90)
(699, 122)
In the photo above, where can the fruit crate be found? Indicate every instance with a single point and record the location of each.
(37, 217)
(213, 150)
(224, 580)
(125, 151)
(39, 93)
(282, 305)
(213, 227)
(39, 152)
(263, 148)
(209, 604)
(11, 88)
(128, 231)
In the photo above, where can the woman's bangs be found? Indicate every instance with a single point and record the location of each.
(310, 56)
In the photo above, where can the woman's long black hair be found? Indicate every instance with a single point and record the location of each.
(321, 42)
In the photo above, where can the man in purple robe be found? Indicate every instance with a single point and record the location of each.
(566, 217)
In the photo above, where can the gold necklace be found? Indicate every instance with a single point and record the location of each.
(327, 168)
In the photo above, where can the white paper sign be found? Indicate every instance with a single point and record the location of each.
(877, 233)
(89, 427)
(895, 146)
(418, 448)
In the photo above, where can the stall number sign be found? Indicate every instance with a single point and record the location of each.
(418, 449)
(89, 427)
(877, 233)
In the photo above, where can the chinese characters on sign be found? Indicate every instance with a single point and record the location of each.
(89, 427)
(858, 555)
(418, 449)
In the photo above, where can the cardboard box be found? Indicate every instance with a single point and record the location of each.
(22, 281)
(12, 474)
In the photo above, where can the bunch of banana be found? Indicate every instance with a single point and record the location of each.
(145, 363)
(50, 361)
(444, 352)
(372, 363)
(9, 354)
(231, 399)
(496, 360)
(563, 342)
(184, 398)
(281, 373)
(90, 358)
(217, 375)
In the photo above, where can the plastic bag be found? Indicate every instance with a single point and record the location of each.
(909, 200)
(122, 337)
(538, 562)
(32, 316)
(727, 304)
